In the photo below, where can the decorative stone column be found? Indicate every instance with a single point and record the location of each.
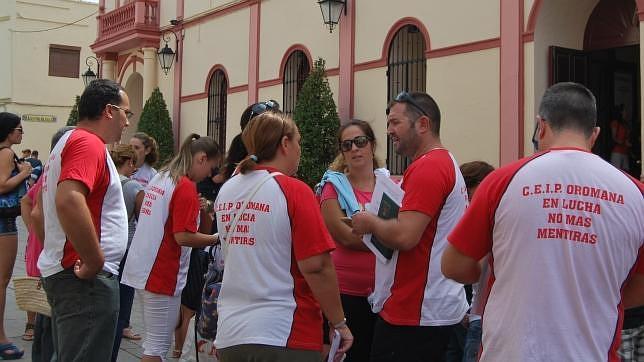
(149, 72)
(109, 69)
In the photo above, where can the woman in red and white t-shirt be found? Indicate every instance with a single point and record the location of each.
(352, 175)
(279, 273)
(157, 262)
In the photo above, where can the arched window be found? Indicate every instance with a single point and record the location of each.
(217, 93)
(295, 72)
(406, 71)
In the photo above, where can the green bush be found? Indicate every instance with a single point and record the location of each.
(155, 121)
(317, 118)
(73, 115)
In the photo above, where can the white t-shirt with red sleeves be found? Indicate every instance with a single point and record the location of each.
(411, 290)
(264, 298)
(565, 229)
(82, 156)
(155, 261)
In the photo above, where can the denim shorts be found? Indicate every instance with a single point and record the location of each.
(8, 226)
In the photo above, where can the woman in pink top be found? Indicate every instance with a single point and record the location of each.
(354, 263)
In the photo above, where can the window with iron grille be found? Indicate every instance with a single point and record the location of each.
(406, 71)
(295, 72)
(64, 61)
(217, 94)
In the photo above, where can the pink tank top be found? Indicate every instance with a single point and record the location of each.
(355, 268)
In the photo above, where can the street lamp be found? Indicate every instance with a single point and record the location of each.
(331, 11)
(166, 55)
(89, 74)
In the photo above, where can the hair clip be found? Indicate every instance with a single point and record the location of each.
(253, 157)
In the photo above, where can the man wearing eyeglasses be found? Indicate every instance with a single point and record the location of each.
(417, 305)
(565, 230)
(85, 233)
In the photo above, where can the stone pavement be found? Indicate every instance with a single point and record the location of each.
(15, 319)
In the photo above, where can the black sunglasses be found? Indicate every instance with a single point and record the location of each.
(404, 97)
(261, 107)
(360, 142)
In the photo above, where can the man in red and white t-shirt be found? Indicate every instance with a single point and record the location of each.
(564, 230)
(417, 305)
(85, 225)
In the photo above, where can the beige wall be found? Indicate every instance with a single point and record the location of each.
(560, 23)
(26, 87)
(529, 106)
(478, 20)
(370, 90)
(468, 97)
(209, 43)
(194, 116)
(196, 7)
(236, 103)
(277, 35)
(7, 21)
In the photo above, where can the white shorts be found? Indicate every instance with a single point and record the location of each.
(160, 317)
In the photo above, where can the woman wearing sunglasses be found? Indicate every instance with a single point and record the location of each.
(345, 188)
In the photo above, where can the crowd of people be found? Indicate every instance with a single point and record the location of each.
(535, 261)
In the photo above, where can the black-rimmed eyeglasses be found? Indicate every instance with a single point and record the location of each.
(405, 97)
(261, 107)
(19, 129)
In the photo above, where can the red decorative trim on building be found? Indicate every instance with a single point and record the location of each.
(211, 73)
(372, 64)
(397, 26)
(346, 62)
(270, 82)
(511, 70)
(108, 56)
(331, 72)
(437, 53)
(464, 48)
(237, 89)
(131, 60)
(288, 53)
(532, 18)
(220, 12)
(197, 96)
(253, 52)
(194, 97)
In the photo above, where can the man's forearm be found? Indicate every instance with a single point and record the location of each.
(76, 221)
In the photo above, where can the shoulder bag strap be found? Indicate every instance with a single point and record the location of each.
(233, 224)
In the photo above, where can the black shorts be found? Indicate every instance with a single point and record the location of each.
(393, 343)
(8, 226)
(191, 294)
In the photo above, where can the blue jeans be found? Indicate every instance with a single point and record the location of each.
(126, 300)
(84, 315)
(472, 342)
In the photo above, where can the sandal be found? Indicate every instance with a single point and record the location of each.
(129, 334)
(9, 351)
(176, 353)
(29, 332)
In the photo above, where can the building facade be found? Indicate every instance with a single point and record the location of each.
(487, 63)
(47, 43)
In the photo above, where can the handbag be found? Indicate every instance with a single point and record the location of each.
(208, 315)
(10, 201)
(30, 296)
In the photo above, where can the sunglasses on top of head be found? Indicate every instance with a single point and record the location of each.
(405, 97)
(261, 107)
(360, 142)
